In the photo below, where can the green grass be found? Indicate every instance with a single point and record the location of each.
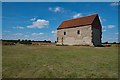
(59, 62)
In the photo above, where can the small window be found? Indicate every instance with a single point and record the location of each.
(78, 31)
(64, 33)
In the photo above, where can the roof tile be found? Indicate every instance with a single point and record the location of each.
(87, 20)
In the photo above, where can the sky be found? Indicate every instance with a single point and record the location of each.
(39, 21)
(0, 20)
(60, 0)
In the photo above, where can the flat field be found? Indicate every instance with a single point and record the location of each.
(32, 61)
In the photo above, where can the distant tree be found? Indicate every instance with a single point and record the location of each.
(18, 40)
(114, 42)
(49, 41)
(22, 40)
(29, 42)
(106, 42)
(44, 40)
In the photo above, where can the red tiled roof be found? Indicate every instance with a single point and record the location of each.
(87, 20)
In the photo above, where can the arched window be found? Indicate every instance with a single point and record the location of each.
(78, 31)
(64, 33)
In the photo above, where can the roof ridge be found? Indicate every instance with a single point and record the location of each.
(81, 17)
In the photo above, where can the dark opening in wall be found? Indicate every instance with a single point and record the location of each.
(64, 33)
(57, 39)
(78, 31)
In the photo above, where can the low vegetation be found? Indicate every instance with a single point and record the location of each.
(14, 42)
(59, 62)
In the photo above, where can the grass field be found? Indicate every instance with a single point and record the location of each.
(59, 62)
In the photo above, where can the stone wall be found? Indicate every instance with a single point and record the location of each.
(72, 38)
(97, 35)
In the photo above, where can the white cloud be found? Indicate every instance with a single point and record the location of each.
(50, 8)
(116, 38)
(108, 27)
(111, 26)
(104, 27)
(115, 4)
(117, 33)
(6, 31)
(40, 23)
(33, 19)
(26, 36)
(37, 34)
(54, 32)
(104, 30)
(77, 15)
(56, 9)
(112, 38)
(18, 34)
(19, 27)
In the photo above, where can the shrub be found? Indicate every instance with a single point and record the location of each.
(61, 45)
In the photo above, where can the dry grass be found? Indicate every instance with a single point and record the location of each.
(59, 61)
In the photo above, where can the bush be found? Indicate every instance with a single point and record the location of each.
(61, 45)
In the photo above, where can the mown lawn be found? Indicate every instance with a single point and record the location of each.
(59, 62)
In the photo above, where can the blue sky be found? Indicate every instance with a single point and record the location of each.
(60, 0)
(39, 21)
